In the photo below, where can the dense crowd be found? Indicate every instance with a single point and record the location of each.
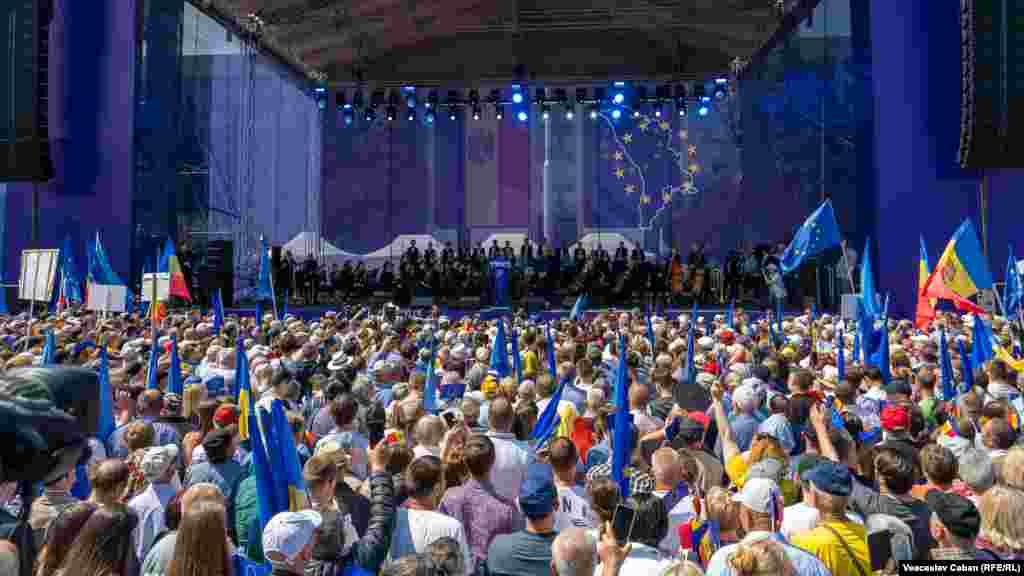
(773, 453)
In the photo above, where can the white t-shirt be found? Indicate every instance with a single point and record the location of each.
(683, 511)
(415, 530)
(800, 518)
(573, 509)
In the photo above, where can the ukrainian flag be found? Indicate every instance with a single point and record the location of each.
(962, 268)
(245, 398)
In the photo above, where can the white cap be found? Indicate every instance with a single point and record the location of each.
(288, 533)
(758, 494)
(156, 460)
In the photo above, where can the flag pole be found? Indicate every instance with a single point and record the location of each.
(846, 262)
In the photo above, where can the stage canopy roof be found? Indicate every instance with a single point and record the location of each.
(440, 41)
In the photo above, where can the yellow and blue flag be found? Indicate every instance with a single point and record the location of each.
(499, 353)
(820, 232)
(962, 269)
(246, 402)
(291, 469)
(264, 477)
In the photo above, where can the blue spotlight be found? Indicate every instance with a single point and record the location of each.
(347, 116)
(517, 97)
(703, 110)
(522, 116)
(616, 114)
(410, 101)
(429, 116)
(320, 90)
(619, 84)
(618, 99)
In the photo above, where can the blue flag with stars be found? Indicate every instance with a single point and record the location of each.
(819, 233)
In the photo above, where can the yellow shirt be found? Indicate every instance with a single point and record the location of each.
(530, 362)
(823, 543)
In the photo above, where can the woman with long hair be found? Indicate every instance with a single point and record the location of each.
(61, 534)
(201, 547)
(139, 437)
(103, 546)
(205, 413)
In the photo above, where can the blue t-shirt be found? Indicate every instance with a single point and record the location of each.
(520, 554)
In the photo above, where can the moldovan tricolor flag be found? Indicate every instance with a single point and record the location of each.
(961, 271)
(179, 287)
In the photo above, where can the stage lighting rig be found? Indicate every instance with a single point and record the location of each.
(517, 94)
(499, 112)
(540, 96)
(411, 116)
(357, 98)
(431, 100)
(599, 95)
(522, 116)
(391, 113)
(720, 88)
(545, 111)
(581, 95)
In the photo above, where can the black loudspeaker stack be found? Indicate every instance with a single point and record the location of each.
(220, 269)
(24, 90)
(992, 84)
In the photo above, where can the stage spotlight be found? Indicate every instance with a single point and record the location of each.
(476, 112)
(593, 112)
(429, 116)
(618, 99)
(681, 109)
(431, 100)
(568, 114)
(703, 110)
(522, 116)
(411, 117)
(616, 114)
(370, 115)
(720, 88)
(499, 112)
(517, 96)
(451, 114)
(347, 117)
(657, 110)
(636, 113)
(391, 113)
(680, 96)
(320, 90)
(545, 111)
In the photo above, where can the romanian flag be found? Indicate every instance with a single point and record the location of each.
(925, 305)
(961, 271)
(169, 263)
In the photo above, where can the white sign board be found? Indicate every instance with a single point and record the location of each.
(107, 297)
(163, 286)
(38, 269)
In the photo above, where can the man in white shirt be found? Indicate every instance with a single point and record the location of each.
(158, 467)
(511, 456)
(573, 506)
(802, 516)
(668, 473)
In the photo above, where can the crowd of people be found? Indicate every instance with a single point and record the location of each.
(776, 452)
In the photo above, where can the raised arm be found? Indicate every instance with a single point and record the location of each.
(725, 433)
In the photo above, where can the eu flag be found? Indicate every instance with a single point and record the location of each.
(430, 388)
(1013, 293)
(982, 349)
(49, 349)
(820, 232)
(622, 433)
(263, 286)
(499, 354)
(946, 366)
(107, 422)
(218, 312)
(175, 382)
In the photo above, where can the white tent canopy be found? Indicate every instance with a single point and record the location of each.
(307, 243)
(515, 240)
(398, 246)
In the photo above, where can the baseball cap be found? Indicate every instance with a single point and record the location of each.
(958, 514)
(830, 478)
(157, 459)
(895, 417)
(537, 491)
(758, 494)
(288, 533)
(225, 416)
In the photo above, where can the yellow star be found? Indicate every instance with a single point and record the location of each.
(664, 125)
(694, 168)
(645, 199)
(643, 126)
(630, 188)
(620, 173)
(667, 197)
(618, 154)
(692, 149)
(684, 134)
(628, 138)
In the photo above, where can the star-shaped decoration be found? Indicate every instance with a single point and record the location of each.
(692, 149)
(630, 188)
(667, 197)
(643, 126)
(628, 138)
(645, 199)
(684, 134)
(618, 154)
(620, 173)
(664, 125)
(694, 168)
